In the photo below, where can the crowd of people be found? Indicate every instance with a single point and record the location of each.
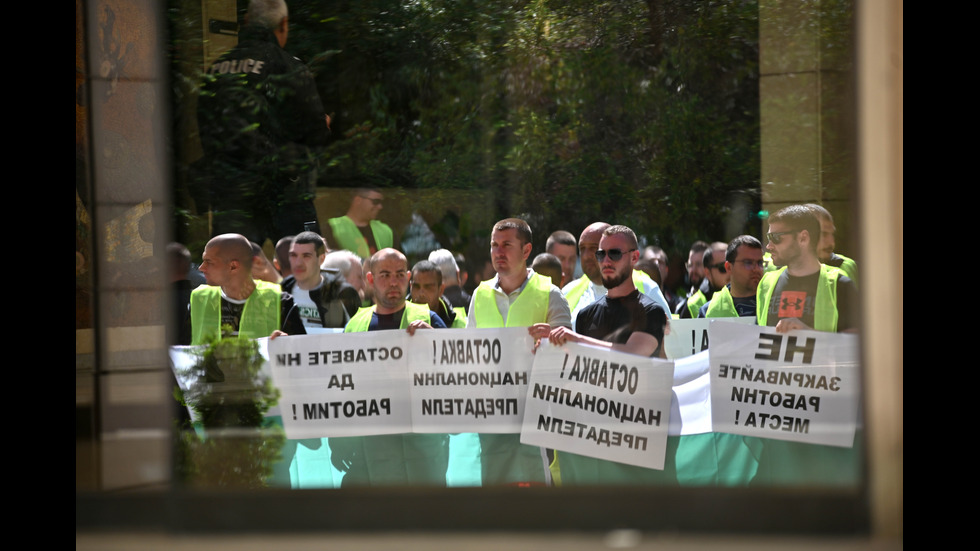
(789, 283)
(352, 277)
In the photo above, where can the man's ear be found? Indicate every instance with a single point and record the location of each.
(808, 239)
(527, 250)
(369, 277)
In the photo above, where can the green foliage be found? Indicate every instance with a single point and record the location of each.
(230, 395)
(637, 112)
(644, 113)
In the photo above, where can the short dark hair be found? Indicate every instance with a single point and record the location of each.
(309, 237)
(560, 237)
(747, 240)
(423, 266)
(363, 191)
(799, 218)
(709, 253)
(523, 229)
(179, 256)
(655, 252)
(650, 267)
(282, 251)
(547, 265)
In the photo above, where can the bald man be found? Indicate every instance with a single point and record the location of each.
(232, 298)
(391, 459)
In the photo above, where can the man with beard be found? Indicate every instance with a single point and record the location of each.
(624, 320)
(714, 278)
(391, 459)
(803, 294)
(695, 272)
(586, 289)
(825, 247)
(743, 261)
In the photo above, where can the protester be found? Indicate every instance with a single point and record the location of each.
(744, 263)
(232, 298)
(392, 459)
(515, 297)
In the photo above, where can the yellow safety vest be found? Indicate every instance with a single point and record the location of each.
(362, 319)
(825, 314)
(530, 307)
(721, 305)
(260, 315)
(503, 458)
(349, 236)
(695, 302)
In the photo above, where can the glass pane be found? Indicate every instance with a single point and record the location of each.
(684, 121)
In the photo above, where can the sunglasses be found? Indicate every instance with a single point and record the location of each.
(374, 201)
(613, 254)
(720, 267)
(777, 238)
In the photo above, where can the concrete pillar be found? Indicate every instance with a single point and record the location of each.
(807, 114)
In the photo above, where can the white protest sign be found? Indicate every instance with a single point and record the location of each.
(470, 380)
(801, 386)
(347, 384)
(596, 402)
(690, 336)
(183, 359)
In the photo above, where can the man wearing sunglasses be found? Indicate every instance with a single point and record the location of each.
(716, 276)
(625, 320)
(588, 288)
(744, 263)
(803, 294)
(359, 230)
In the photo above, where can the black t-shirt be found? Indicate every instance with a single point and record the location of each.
(292, 323)
(615, 319)
(795, 297)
